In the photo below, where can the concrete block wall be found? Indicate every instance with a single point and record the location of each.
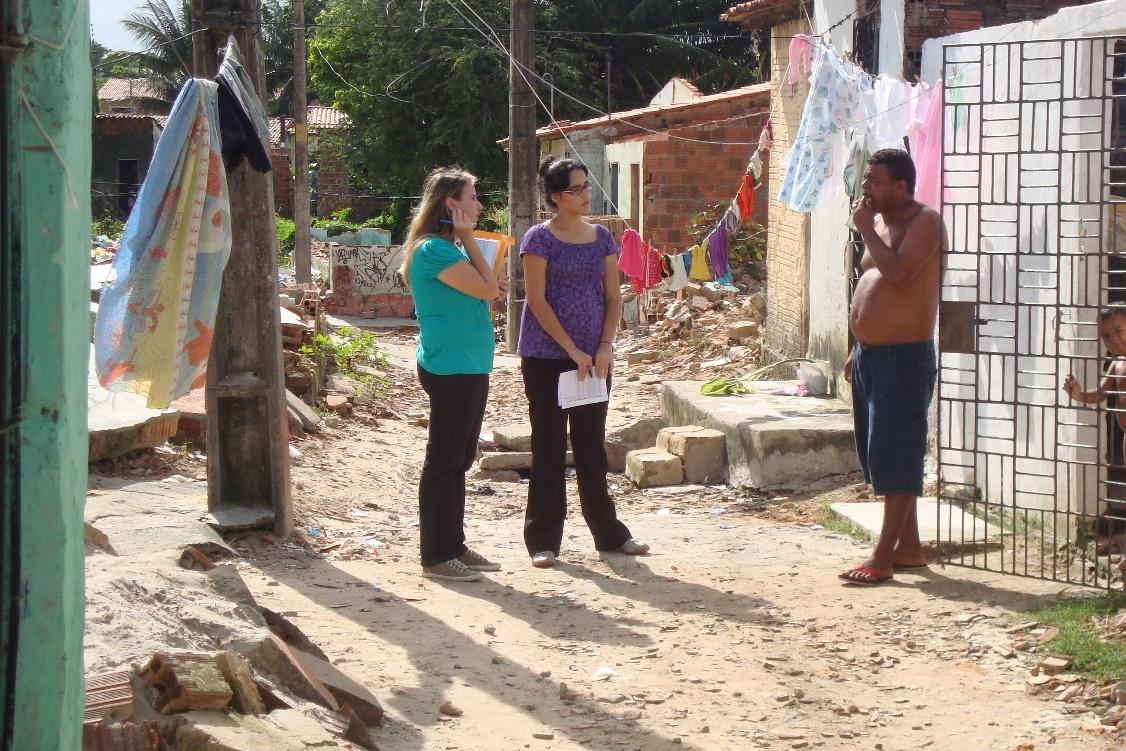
(683, 178)
(787, 253)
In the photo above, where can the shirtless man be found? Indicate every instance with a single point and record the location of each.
(892, 368)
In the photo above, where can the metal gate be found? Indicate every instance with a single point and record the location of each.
(1034, 182)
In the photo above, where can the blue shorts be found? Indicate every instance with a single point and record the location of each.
(892, 387)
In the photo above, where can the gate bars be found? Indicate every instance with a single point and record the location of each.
(1034, 186)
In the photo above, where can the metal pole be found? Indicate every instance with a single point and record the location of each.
(247, 426)
(522, 154)
(302, 252)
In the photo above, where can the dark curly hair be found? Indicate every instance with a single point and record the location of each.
(555, 176)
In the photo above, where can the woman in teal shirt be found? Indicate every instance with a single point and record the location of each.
(452, 287)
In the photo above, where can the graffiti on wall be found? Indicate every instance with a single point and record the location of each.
(375, 268)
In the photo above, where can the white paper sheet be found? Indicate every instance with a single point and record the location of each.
(575, 393)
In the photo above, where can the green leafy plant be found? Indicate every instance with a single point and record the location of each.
(344, 352)
(286, 231)
(723, 386)
(108, 224)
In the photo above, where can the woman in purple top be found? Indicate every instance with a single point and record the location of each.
(572, 309)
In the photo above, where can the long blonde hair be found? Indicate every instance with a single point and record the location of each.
(442, 183)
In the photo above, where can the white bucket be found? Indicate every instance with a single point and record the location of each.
(815, 376)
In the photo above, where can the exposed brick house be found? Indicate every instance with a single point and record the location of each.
(662, 165)
(333, 191)
(808, 272)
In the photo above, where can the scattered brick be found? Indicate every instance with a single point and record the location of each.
(186, 682)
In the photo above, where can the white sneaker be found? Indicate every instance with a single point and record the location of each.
(634, 546)
(452, 570)
(543, 559)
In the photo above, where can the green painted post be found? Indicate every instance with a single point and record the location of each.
(45, 251)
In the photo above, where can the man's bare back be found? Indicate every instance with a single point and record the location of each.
(901, 309)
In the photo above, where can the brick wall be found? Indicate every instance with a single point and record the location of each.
(787, 252)
(333, 192)
(283, 181)
(682, 178)
(935, 18)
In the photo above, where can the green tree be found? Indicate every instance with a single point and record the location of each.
(422, 90)
(277, 50)
(167, 58)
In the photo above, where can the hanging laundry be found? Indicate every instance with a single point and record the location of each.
(889, 122)
(800, 58)
(732, 220)
(766, 137)
(833, 103)
(152, 335)
(856, 162)
(242, 119)
(754, 168)
(650, 275)
(699, 270)
(745, 198)
(630, 261)
(679, 278)
(717, 251)
(926, 152)
(727, 280)
(917, 105)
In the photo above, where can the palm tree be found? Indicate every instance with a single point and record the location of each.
(167, 58)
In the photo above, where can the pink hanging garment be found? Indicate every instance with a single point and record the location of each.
(650, 274)
(800, 58)
(926, 151)
(630, 261)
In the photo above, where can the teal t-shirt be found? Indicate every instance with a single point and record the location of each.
(455, 330)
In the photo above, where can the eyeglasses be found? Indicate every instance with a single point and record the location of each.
(577, 190)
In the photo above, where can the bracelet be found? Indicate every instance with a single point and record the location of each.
(608, 341)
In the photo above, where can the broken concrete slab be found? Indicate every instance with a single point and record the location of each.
(637, 435)
(772, 441)
(309, 417)
(954, 524)
(238, 518)
(653, 467)
(517, 437)
(701, 450)
(274, 656)
(120, 422)
(513, 460)
(281, 730)
(345, 689)
(740, 330)
(152, 517)
(192, 427)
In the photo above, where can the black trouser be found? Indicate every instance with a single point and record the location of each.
(457, 408)
(547, 490)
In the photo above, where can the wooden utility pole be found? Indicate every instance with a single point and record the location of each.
(522, 148)
(302, 252)
(247, 425)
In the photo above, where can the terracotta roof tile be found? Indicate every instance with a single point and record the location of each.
(123, 89)
(756, 14)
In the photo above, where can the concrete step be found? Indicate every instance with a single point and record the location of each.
(772, 441)
(937, 522)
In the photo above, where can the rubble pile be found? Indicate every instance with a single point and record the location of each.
(702, 330)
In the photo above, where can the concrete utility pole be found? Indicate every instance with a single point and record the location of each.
(302, 252)
(522, 148)
(247, 426)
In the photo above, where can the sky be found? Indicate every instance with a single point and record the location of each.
(106, 17)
